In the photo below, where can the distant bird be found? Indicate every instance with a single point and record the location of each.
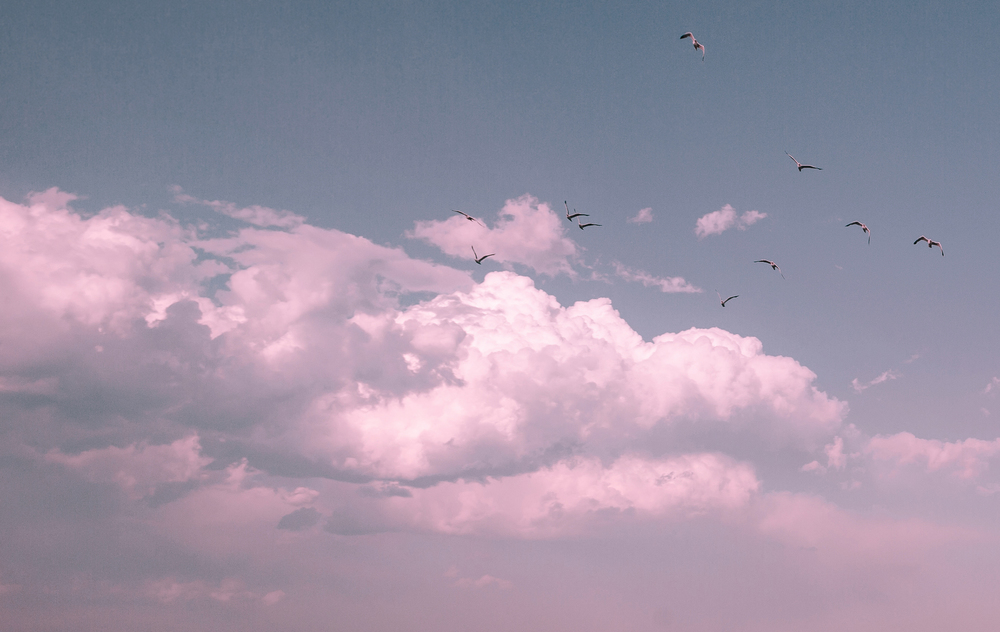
(723, 302)
(469, 217)
(773, 265)
(582, 226)
(930, 243)
(864, 228)
(802, 166)
(697, 45)
(479, 259)
(575, 214)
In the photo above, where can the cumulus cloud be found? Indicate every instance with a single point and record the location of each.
(644, 216)
(214, 397)
(720, 221)
(525, 232)
(668, 284)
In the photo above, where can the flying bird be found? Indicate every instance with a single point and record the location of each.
(697, 44)
(469, 217)
(479, 259)
(727, 300)
(773, 265)
(930, 243)
(575, 214)
(582, 226)
(802, 166)
(864, 228)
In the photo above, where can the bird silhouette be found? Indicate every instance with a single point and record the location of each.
(697, 44)
(802, 166)
(479, 259)
(864, 228)
(582, 226)
(575, 214)
(930, 243)
(773, 265)
(469, 217)
(723, 302)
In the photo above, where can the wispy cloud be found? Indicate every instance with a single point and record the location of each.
(257, 215)
(644, 216)
(993, 385)
(860, 386)
(667, 285)
(725, 218)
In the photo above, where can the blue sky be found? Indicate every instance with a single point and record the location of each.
(374, 121)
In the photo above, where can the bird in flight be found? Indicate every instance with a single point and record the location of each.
(864, 228)
(582, 226)
(802, 166)
(930, 243)
(727, 300)
(469, 217)
(696, 43)
(773, 265)
(479, 259)
(575, 214)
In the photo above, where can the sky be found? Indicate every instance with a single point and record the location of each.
(251, 377)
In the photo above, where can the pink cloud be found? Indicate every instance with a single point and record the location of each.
(525, 232)
(644, 216)
(718, 222)
(563, 499)
(668, 285)
(965, 460)
(885, 376)
(256, 215)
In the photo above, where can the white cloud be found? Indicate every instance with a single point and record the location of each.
(644, 216)
(668, 285)
(526, 232)
(992, 385)
(720, 221)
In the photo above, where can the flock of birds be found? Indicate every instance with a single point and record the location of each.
(698, 46)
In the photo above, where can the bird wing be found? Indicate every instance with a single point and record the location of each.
(920, 239)
(793, 158)
(801, 167)
(474, 255)
(854, 224)
(688, 34)
(461, 213)
(729, 299)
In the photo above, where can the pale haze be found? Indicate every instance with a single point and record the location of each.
(252, 378)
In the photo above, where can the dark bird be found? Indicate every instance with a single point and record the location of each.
(575, 214)
(697, 45)
(802, 166)
(479, 259)
(469, 217)
(582, 226)
(773, 265)
(723, 302)
(930, 243)
(864, 228)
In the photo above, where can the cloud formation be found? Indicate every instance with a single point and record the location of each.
(525, 232)
(667, 285)
(718, 222)
(644, 216)
(885, 376)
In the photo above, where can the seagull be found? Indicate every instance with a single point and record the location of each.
(469, 217)
(864, 228)
(582, 226)
(802, 166)
(727, 300)
(930, 243)
(479, 259)
(697, 45)
(575, 214)
(773, 265)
